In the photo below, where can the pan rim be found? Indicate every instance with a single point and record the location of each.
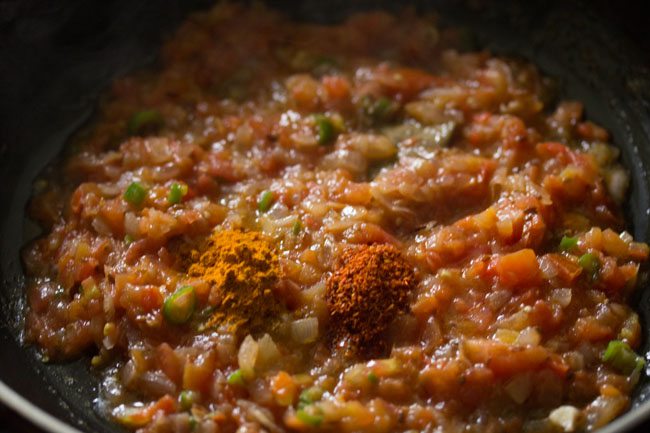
(630, 419)
(33, 413)
(50, 423)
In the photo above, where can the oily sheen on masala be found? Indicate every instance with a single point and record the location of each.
(360, 227)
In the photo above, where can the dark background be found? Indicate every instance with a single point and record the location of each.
(627, 17)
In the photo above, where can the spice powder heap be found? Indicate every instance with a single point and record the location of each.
(368, 289)
(241, 268)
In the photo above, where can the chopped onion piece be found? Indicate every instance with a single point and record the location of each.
(101, 227)
(566, 417)
(519, 388)
(131, 224)
(305, 331)
(259, 414)
(562, 297)
(507, 336)
(548, 268)
(374, 147)
(437, 136)
(268, 352)
(627, 237)
(617, 181)
(528, 337)
(156, 383)
(247, 356)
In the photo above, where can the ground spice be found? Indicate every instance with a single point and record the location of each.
(241, 268)
(369, 287)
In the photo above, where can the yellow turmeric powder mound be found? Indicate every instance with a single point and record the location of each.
(241, 268)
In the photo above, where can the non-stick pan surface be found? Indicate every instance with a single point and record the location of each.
(55, 58)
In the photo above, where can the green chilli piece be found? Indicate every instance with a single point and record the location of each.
(128, 239)
(236, 378)
(267, 198)
(589, 262)
(620, 355)
(296, 228)
(187, 398)
(568, 243)
(310, 419)
(325, 129)
(179, 306)
(145, 121)
(309, 396)
(373, 378)
(135, 193)
(193, 423)
(379, 110)
(176, 192)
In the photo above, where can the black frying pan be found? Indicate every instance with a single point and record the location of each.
(55, 59)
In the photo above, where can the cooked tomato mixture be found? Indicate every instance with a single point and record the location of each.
(361, 227)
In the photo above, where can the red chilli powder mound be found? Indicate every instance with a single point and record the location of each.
(369, 287)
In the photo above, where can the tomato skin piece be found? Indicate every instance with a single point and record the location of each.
(567, 269)
(142, 416)
(405, 83)
(169, 363)
(590, 131)
(589, 329)
(518, 269)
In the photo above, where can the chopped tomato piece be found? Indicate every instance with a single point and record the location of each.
(336, 88)
(518, 269)
(505, 360)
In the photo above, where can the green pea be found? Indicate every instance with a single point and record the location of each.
(296, 228)
(187, 398)
(176, 193)
(568, 243)
(236, 378)
(311, 419)
(309, 396)
(325, 129)
(145, 121)
(267, 198)
(135, 193)
(179, 306)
